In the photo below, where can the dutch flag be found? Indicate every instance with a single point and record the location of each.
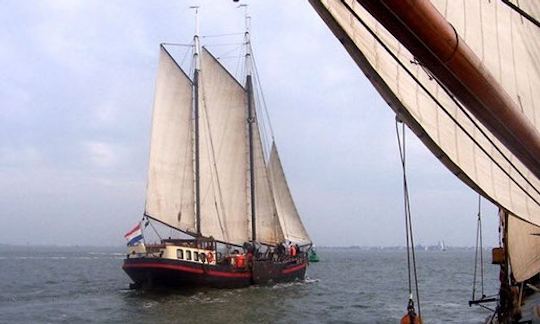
(134, 236)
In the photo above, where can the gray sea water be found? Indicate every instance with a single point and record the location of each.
(73, 285)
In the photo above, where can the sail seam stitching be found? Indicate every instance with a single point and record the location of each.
(449, 115)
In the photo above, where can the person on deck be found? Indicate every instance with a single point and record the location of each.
(293, 250)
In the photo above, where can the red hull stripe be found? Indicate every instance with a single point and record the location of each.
(164, 266)
(295, 268)
(229, 274)
(188, 269)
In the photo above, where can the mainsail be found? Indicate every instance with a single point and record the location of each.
(508, 49)
(290, 221)
(223, 154)
(169, 195)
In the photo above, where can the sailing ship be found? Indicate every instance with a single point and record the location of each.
(464, 76)
(211, 178)
(442, 246)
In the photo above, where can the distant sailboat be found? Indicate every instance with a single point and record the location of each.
(210, 179)
(442, 247)
(464, 76)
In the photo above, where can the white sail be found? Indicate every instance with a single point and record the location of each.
(223, 154)
(291, 224)
(169, 195)
(508, 46)
(267, 222)
(523, 248)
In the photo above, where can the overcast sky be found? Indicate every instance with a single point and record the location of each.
(76, 93)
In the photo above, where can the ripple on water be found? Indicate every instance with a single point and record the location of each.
(349, 286)
(150, 304)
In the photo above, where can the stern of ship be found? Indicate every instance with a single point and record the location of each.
(182, 263)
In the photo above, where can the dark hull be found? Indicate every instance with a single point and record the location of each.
(269, 272)
(177, 273)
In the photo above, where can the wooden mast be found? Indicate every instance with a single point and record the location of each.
(196, 57)
(251, 120)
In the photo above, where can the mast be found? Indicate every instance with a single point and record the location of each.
(196, 58)
(251, 120)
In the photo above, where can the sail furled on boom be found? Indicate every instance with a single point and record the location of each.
(169, 194)
(508, 48)
(291, 224)
(223, 153)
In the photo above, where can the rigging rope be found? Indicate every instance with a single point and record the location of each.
(227, 54)
(522, 12)
(177, 44)
(411, 256)
(478, 246)
(264, 106)
(186, 55)
(237, 44)
(221, 35)
(148, 222)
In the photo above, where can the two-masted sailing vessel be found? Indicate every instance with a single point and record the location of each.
(211, 178)
(464, 76)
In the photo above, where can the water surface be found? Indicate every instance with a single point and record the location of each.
(68, 285)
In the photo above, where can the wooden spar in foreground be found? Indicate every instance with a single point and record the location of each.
(437, 46)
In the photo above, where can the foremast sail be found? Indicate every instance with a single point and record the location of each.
(169, 193)
(506, 47)
(223, 153)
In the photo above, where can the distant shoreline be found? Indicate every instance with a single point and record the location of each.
(395, 248)
(322, 247)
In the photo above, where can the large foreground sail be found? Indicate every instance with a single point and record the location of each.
(498, 36)
(169, 195)
(464, 77)
(507, 47)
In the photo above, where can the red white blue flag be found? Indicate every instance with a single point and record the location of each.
(134, 236)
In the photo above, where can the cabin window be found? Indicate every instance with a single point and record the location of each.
(188, 255)
(179, 254)
(195, 256)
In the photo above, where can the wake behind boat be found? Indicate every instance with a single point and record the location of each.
(212, 179)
